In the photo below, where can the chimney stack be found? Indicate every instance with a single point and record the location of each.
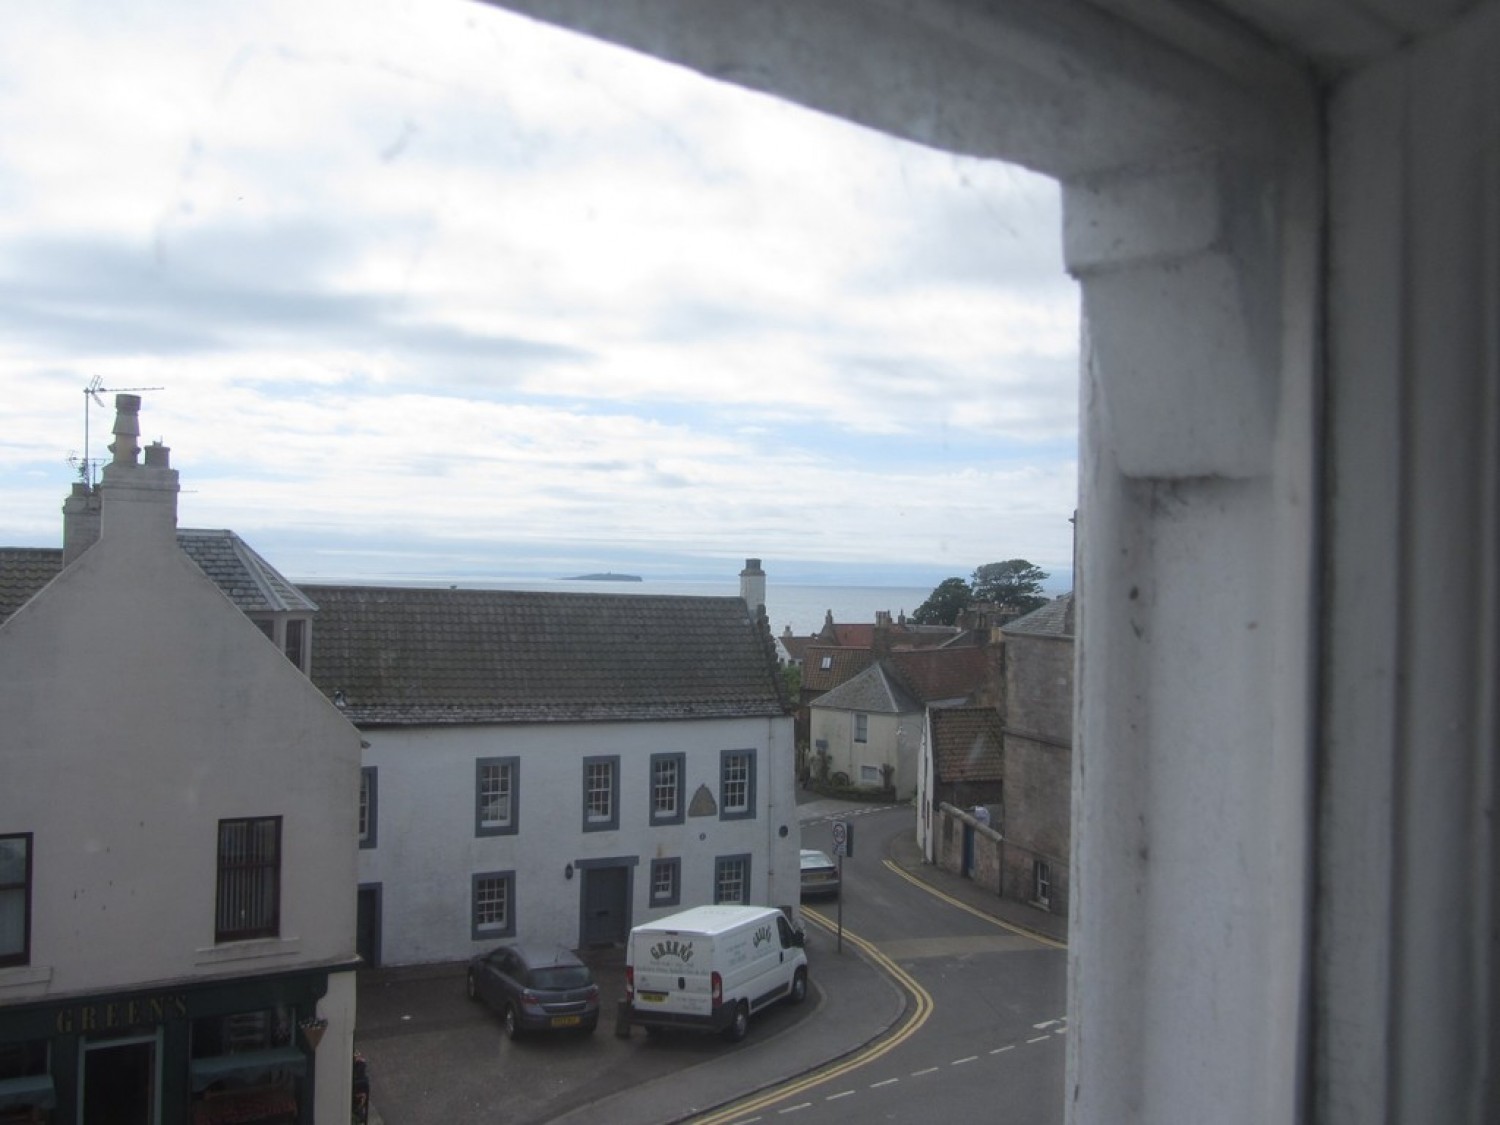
(137, 500)
(80, 521)
(753, 585)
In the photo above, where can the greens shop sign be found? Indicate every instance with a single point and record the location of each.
(120, 1015)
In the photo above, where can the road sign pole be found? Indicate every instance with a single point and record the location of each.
(842, 840)
(841, 904)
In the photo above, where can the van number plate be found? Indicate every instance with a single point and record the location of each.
(654, 997)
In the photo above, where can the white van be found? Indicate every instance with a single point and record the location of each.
(710, 967)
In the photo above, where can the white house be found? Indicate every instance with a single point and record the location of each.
(557, 766)
(177, 840)
(870, 727)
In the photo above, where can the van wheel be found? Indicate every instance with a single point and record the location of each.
(512, 1023)
(739, 1025)
(799, 986)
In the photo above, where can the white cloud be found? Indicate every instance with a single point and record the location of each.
(437, 269)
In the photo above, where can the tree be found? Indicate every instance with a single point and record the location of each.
(942, 607)
(1014, 582)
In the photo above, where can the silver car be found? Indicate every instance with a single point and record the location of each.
(820, 875)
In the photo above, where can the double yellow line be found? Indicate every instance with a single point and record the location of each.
(1032, 935)
(921, 1010)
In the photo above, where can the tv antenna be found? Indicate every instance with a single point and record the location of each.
(91, 397)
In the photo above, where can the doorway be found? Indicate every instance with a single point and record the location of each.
(606, 905)
(367, 925)
(120, 1082)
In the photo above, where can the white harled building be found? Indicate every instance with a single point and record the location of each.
(178, 825)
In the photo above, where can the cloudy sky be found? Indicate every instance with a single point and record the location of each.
(456, 294)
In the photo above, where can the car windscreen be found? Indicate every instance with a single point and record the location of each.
(560, 977)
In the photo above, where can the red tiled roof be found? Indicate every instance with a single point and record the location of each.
(843, 664)
(935, 674)
(967, 743)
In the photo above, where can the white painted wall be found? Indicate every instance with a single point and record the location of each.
(141, 707)
(890, 740)
(427, 848)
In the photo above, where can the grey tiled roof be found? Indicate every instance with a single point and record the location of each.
(253, 584)
(874, 690)
(966, 744)
(249, 581)
(1054, 619)
(24, 571)
(426, 656)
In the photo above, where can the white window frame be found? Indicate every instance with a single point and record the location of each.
(504, 776)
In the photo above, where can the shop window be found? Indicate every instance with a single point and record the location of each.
(25, 1081)
(249, 890)
(246, 1066)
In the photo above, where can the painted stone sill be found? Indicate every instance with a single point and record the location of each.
(251, 950)
(24, 980)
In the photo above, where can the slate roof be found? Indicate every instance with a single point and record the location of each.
(874, 690)
(253, 584)
(250, 582)
(24, 571)
(966, 744)
(1055, 619)
(842, 664)
(409, 656)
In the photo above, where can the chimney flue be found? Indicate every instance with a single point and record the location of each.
(126, 445)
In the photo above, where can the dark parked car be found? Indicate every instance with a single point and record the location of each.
(536, 988)
(820, 876)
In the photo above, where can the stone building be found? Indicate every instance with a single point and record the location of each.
(1038, 734)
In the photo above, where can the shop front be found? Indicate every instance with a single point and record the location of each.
(240, 1051)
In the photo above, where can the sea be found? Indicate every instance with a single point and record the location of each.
(800, 607)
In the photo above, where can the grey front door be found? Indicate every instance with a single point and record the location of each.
(606, 905)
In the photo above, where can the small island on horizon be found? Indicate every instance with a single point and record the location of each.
(607, 576)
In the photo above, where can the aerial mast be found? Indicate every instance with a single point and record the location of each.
(91, 397)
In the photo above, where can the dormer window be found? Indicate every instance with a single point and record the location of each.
(292, 635)
(826, 663)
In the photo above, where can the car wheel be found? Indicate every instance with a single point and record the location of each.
(739, 1024)
(512, 1022)
(472, 987)
(799, 986)
(588, 1028)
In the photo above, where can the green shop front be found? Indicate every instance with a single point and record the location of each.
(239, 1051)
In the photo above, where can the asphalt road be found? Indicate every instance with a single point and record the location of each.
(981, 1037)
(990, 1043)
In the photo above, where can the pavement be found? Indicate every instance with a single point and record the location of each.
(852, 1002)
